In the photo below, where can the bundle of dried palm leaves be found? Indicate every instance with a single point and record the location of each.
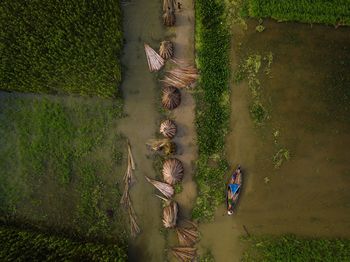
(155, 61)
(170, 214)
(187, 236)
(173, 171)
(166, 49)
(171, 97)
(185, 254)
(166, 189)
(164, 144)
(169, 18)
(169, 5)
(125, 200)
(181, 77)
(168, 128)
(134, 227)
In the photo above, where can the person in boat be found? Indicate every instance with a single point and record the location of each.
(232, 194)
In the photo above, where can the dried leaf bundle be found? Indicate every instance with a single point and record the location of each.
(155, 61)
(169, 18)
(173, 171)
(166, 49)
(171, 97)
(187, 236)
(165, 144)
(125, 200)
(168, 128)
(184, 253)
(169, 5)
(181, 77)
(164, 188)
(134, 227)
(170, 215)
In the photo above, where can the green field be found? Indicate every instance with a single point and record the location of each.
(291, 248)
(60, 163)
(334, 12)
(24, 245)
(61, 47)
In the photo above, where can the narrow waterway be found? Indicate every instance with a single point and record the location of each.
(142, 24)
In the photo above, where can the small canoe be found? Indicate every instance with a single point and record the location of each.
(233, 190)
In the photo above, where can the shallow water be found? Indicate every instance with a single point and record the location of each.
(307, 97)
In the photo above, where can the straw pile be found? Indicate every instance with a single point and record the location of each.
(173, 171)
(168, 128)
(170, 215)
(166, 49)
(184, 253)
(171, 97)
(164, 188)
(181, 77)
(155, 61)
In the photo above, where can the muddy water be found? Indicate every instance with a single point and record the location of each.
(142, 24)
(307, 97)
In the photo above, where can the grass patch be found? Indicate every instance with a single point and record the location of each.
(23, 245)
(317, 11)
(61, 47)
(212, 105)
(292, 248)
(60, 159)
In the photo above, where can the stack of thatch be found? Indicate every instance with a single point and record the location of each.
(171, 97)
(184, 253)
(166, 49)
(181, 77)
(168, 128)
(168, 146)
(170, 214)
(173, 171)
(155, 61)
(166, 189)
(169, 18)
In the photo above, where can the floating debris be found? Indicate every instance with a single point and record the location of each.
(155, 61)
(168, 128)
(166, 189)
(166, 49)
(184, 253)
(171, 97)
(170, 214)
(173, 171)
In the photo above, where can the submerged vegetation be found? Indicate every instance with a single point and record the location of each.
(212, 105)
(292, 248)
(61, 47)
(23, 245)
(317, 11)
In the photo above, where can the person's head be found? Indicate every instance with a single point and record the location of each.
(230, 212)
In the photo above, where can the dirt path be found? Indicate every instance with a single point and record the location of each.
(184, 114)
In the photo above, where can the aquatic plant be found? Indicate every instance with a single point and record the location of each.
(61, 47)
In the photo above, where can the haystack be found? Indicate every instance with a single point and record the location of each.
(171, 97)
(184, 253)
(168, 128)
(167, 190)
(165, 145)
(170, 214)
(166, 49)
(173, 171)
(181, 77)
(155, 61)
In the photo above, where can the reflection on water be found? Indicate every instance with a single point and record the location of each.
(307, 96)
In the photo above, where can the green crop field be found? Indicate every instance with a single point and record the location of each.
(60, 163)
(61, 46)
(334, 12)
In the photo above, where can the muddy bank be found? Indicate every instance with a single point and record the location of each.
(307, 100)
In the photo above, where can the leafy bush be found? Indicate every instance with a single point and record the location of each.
(317, 11)
(212, 104)
(291, 248)
(61, 46)
(20, 245)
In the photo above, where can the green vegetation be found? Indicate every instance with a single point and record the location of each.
(61, 46)
(207, 257)
(291, 248)
(59, 163)
(21, 245)
(335, 12)
(212, 105)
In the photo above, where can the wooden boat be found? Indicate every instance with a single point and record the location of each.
(233, 190)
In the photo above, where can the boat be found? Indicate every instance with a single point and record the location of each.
(233, 190)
